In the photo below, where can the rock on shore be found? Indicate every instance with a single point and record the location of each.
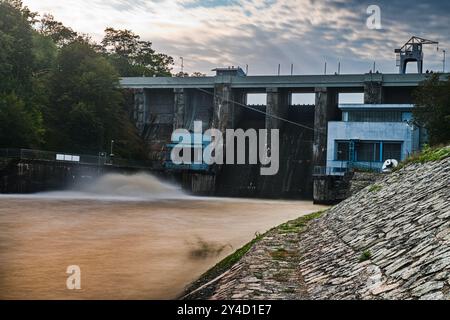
(389, 241)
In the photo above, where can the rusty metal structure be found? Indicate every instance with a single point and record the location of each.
(412, 51)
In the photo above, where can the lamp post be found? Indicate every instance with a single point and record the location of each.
(101, 158)
(111, 155)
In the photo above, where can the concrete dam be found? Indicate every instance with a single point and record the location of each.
(163, 104)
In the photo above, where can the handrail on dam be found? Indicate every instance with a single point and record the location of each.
(282, 81)
(41, 155)
(327, 171)
(349, 167)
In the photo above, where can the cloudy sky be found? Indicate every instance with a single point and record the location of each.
(264, 33)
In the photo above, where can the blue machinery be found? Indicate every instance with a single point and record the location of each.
(189, 143)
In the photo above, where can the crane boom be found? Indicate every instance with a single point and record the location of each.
(412, 51)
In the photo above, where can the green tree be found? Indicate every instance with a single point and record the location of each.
(134, 57)
(55, 30)
(88, 108)
(44, 53)
(16, 60)
(20, 119)
(60, 91)
(123, 43)
(182, 74)
(432, 108)
(19, 128)
(198, 74)
(84, 95)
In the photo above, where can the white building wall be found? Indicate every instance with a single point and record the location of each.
(372, 131)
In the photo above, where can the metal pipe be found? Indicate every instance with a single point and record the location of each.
(112, 147)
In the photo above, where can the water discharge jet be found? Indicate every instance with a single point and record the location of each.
(142, 186)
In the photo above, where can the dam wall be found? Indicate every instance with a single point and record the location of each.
(221, 101)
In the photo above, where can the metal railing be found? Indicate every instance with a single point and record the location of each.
(41, 155)
(329, 171)
(365, 166)
(348, 167)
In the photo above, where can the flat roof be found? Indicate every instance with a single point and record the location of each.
(353, 106)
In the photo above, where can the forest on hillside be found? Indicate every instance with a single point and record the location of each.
(59, 89)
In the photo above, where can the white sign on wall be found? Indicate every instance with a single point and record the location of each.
(67, 157)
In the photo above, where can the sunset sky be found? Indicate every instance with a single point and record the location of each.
(264, 33)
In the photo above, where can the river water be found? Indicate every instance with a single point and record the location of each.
(133, 237)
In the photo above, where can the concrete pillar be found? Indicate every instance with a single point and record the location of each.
(373, 92)
(325, 110)
(373, 88)
(238, 110)
(276, 106)
(140, 109)
(179, 108)
(223, 106)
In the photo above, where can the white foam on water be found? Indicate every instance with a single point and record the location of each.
(115, 187)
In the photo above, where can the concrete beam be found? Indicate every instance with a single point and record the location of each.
(343, 81)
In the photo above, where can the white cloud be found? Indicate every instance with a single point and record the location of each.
(260, 33)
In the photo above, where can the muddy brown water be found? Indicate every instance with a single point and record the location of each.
(126, 247)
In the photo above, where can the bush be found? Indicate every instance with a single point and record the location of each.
(428, 154)
(432, 108)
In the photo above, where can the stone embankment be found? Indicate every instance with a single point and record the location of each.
(389, 241)
(360, 180)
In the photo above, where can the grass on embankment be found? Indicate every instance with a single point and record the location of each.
(428, 154)
(296, 225)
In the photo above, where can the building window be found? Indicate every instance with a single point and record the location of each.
(374, 116)
(392, 150)
(342, 151)
(368, 151)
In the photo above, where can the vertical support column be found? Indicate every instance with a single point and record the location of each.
(272, 108)
(373, 89)
(420, 66)
(276, 106)
(237, 111)
(223, 106)
(179, 108)
(140, 109)
(325, 110)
